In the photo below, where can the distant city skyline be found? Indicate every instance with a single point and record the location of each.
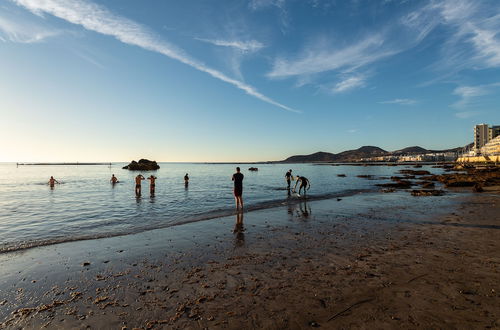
(238, 80)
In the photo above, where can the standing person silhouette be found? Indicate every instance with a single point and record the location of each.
(113, 179)
(138, 180)
(289, 178)
(186, 180)
(238, 188)
(152, 184)
(52, 182)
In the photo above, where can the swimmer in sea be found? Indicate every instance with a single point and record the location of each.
(138, 180)
(52, 182)
(113, 179)
(152, 184)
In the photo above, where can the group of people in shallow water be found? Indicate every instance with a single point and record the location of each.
(237, 179)
(304, 182)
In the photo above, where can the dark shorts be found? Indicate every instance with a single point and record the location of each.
(137, 185)
(238, 192)
(152, 186)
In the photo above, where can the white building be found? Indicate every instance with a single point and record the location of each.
(492, 148)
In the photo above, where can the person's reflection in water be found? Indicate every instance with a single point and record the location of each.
(239, 238)
(290, 208)
(305, 210)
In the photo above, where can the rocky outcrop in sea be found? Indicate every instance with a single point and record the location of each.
(142, 165)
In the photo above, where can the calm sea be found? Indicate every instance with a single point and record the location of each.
(85, 205)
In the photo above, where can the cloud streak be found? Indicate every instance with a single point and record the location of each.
(23, 32)
(467, 94)
(243, 46)
(474, 42)
(400, 102)
(348, 84)
(321, 58)
(96, 18)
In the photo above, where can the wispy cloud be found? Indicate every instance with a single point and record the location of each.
(321, 58)
(97, 18)
(389, 40)
(349, 83)
(470, 95)
(400, 102)
(24, 32)
(471, 40)
(474, 41)
(243, 46)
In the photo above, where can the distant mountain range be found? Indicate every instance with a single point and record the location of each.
(357, 154)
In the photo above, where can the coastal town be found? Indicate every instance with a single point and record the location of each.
(484, 149)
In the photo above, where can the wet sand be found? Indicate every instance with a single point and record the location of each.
(371, 260)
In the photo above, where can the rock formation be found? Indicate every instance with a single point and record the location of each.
(142, 165)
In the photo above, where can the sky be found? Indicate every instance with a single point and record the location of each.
(235, 80)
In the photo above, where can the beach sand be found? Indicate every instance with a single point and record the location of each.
(373, 261)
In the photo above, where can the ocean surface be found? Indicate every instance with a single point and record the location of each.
(85, 205)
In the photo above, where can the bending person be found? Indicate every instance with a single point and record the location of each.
(304, 183)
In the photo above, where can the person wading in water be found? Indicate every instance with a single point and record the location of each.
(238, 188)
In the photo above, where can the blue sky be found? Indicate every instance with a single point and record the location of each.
(114, 80)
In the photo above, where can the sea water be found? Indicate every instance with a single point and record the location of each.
(85, 205)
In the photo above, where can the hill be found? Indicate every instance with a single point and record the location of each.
(363, 152)
(345, 156)
(316, 157)
(410, 150)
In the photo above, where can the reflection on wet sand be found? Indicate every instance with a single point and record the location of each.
(305, 209)
(239, 238)
(300, 208)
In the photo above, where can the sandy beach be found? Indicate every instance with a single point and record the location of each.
(337, 263)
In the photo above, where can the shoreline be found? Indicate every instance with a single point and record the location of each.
(218, 213)
(331, 263)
